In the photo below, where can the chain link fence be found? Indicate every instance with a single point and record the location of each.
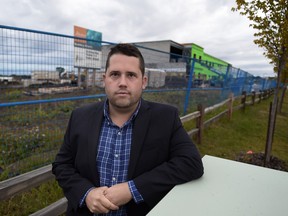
(44, 76)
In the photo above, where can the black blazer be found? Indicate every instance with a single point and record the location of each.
(162, 155)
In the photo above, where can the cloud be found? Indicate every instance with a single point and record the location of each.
(208, 23)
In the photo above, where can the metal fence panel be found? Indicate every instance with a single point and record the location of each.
(41, 83)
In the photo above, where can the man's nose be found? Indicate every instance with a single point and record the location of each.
(123, 80)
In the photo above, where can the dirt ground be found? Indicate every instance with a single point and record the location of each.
(259, 158)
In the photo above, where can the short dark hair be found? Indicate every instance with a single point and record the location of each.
(128, 50)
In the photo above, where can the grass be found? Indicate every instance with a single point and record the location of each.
(247, 131)
(225, 138)
(31, 201)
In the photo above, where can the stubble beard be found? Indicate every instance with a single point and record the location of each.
(124, 103)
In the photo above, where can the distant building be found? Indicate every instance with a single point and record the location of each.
(175, 58)
(207, 66)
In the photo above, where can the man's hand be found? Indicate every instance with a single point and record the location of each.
(119, 194)
(98, 203)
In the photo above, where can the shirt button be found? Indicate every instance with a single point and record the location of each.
(119, 133)
(113, 179)
(116, 155)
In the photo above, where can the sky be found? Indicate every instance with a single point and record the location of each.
(208, 23)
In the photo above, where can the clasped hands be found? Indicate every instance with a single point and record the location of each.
(103, 199)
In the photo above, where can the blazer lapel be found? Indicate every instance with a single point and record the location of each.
(140, 128)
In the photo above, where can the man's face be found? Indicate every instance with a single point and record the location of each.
(124, 82)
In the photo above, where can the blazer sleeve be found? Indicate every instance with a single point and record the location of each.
(168, 156)
(69, 177)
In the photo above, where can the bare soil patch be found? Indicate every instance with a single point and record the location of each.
(259, 158)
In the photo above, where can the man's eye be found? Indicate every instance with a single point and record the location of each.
(131, 75)
(114, 74)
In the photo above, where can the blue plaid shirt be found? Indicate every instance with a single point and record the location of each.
(113, 156)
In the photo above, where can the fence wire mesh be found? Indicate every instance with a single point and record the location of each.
(44, 76)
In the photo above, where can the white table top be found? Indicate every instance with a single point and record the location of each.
(228, 188)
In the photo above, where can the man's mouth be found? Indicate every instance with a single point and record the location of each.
(122, 93)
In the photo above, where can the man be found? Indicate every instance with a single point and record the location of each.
(122, 156)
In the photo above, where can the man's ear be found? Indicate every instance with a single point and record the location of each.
(144, 83)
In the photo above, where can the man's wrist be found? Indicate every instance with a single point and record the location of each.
(137, 197)
(82, 201)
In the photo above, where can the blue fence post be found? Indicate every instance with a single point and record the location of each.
(251, 82)
(244, 82)
(189, 86)
(263, 84)
(225, 85)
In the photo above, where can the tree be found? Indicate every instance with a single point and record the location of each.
(270, 20)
